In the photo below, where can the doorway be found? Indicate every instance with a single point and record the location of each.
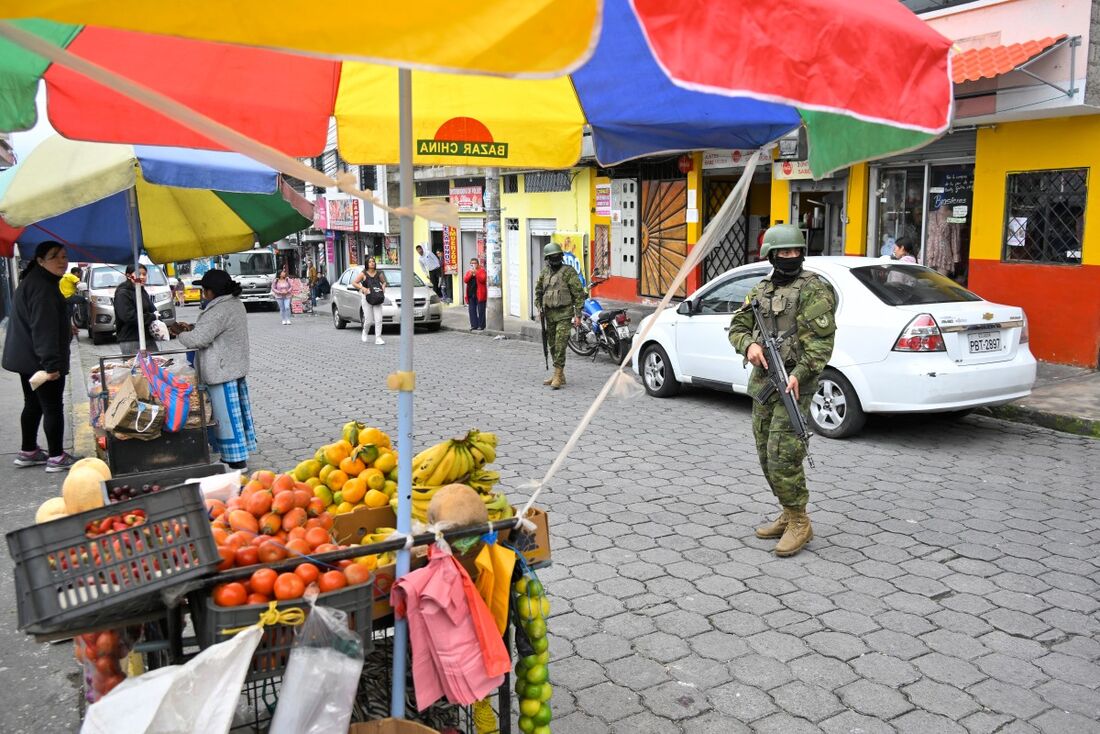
(512, 261)
(539, 234)
(819, 213)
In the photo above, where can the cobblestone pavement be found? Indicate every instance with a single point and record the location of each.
(951, 586)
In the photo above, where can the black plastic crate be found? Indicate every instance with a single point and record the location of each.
(269, 661)
(169, 450)
(66, 581)
(163, 477)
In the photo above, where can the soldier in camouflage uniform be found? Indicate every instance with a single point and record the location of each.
(560, 296)
(803, 306)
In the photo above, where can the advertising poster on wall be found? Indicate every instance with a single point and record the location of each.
(450, 250)
(603, 200)
(343, 214)
(572, 244)
(467, 198)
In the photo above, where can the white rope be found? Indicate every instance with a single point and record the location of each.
(398, 535)
(620, 382)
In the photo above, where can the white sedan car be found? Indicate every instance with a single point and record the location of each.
(347, 303)
(908, 340)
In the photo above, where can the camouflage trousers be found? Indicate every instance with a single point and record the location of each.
(781, 452)
(557, 337)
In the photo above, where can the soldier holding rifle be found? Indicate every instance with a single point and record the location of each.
(791, 314)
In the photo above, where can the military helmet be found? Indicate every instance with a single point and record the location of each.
(781, 237)
(552, 249)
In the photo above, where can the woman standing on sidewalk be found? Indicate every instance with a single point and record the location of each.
(281, 289)
(476, 294)
(372, 284)
(39, 334)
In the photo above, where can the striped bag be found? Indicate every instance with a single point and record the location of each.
(174, 393)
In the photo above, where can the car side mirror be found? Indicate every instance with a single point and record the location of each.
(685, 308)
(82, 287)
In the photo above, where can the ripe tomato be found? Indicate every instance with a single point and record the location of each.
(357, 574)
(298, 547)
(228, 555)
(332, 580)
(106, 645)
(258, 598)
(317, 536)
(247, 555)
(230, 595)
(289, 586)
(263, 581)
(296, 534)
(307, 572)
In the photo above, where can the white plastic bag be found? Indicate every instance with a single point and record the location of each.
(197, 698)
(321, 675)
(159, 330)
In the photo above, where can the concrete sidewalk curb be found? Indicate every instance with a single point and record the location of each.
(1044, 419)
(84, 443)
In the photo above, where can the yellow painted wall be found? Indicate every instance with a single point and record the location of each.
(856, 209)
(695, 183)
(1065, 142)
(780, 201)
(759, 203)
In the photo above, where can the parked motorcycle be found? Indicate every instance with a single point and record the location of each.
(601, 330)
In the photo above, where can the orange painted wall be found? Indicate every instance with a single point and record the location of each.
(617, 288)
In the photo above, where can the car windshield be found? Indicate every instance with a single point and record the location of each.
(899, 284)
(110, 277)
(249, 263)
(393, 278)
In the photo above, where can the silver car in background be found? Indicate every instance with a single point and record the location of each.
(347, 304)
(99, 282)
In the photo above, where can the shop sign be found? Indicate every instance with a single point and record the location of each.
(330, 248)
(320, 213)
(603, 200)
(467, 198)
(726, 158)
(353, 250)
(462, 137)
(572, 245)
(450, 250)
(786, 170)
(343, 214)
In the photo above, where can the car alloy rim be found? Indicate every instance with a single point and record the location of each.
(335, 315)
(829, 406)
(654, 370)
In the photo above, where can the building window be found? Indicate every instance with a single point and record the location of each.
(460, 183)
(368, 178)
(1045, 216)
(510, 184)
(546, 181)
(433, 188)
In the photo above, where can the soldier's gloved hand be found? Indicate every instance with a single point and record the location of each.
(755, 355)
(792, 386)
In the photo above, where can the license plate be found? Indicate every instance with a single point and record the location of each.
(984, 341)
(418, 313)
(624, 332)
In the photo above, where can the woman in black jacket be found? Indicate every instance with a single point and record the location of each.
(38, 339)
(126, 323)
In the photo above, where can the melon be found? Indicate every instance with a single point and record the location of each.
(93, 463)
(457, 505)
(51, 509)
(82, 490)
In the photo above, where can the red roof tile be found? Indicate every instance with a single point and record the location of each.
(992, 61)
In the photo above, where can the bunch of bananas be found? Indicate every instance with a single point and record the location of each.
(454, 459)
(483, 480)
(498, 507)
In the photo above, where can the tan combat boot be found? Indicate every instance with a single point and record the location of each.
(799, 532)
(558, 379)
(776, 528)
(550, 379)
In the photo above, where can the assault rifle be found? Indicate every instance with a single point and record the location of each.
(778, 378)
(545, 348)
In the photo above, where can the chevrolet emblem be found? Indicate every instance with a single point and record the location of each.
(987, 316)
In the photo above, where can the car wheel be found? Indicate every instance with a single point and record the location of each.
(435, 326)
(338, 322)
(98, 337)
(657, 376)
(835, 409)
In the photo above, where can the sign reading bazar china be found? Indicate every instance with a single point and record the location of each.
(462, 137)
(792, 169)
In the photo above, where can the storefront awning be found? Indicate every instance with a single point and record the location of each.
(989, 62)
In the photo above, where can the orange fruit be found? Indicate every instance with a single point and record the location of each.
(283, 503)
(353, 490)
(228, 554)
(282, 483)
(255, 598)
(327, 469)
(317, 536)
(259, 503)
(296, 518)
(243, 521)
(296, 534)
(336, 480)
(299, 547)
(386, 462)
(356, 574)
(337, 452)
(375, 499)
(247, 556)
(375, 479)
(289, 586)
(374, 436)
(331, 581)
(270, 523)
(302, 498)
(307, 572)
(230, 595)
(263, 581)
(352, 465)
(264, 477)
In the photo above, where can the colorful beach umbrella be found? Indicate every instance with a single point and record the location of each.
(186, 203)
(648, 76)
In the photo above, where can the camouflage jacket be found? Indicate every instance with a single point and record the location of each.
(811, 346)
(568, 279)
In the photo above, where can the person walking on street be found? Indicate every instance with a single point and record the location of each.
(802, 310)
(281, 290)
(444, 279)
(126, 323)
(430, 264)
(311, 279)
(559, 297)
(477, 294)
(39, 333)
(371, 283)
(220, 336)
(73, 299)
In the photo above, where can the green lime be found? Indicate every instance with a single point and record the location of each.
(547, 692)
(534, 587)
(542, 718)
(536, 629)
(529, 661)
(532, 690)
(537, 674)
(521, 682)
(526, 725)
(521, 585)
(540, 644)
(543, 657)
(542, 729)
(530, 707)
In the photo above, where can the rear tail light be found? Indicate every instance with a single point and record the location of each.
(622, 319)
(1025, 333)
(922, 334)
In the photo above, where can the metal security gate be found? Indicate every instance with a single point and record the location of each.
(664, 235)
(732, 250)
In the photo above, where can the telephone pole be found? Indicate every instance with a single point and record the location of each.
(494, 308)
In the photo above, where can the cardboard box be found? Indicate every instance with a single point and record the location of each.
(534, 546)
(390, 726)
(352, 526)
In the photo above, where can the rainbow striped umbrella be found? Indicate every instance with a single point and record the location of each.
(110, 201)
(645, 76)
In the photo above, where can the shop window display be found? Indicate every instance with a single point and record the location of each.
(1045, 216)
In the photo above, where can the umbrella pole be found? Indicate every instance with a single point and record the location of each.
(135, 233)
(405, 395)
